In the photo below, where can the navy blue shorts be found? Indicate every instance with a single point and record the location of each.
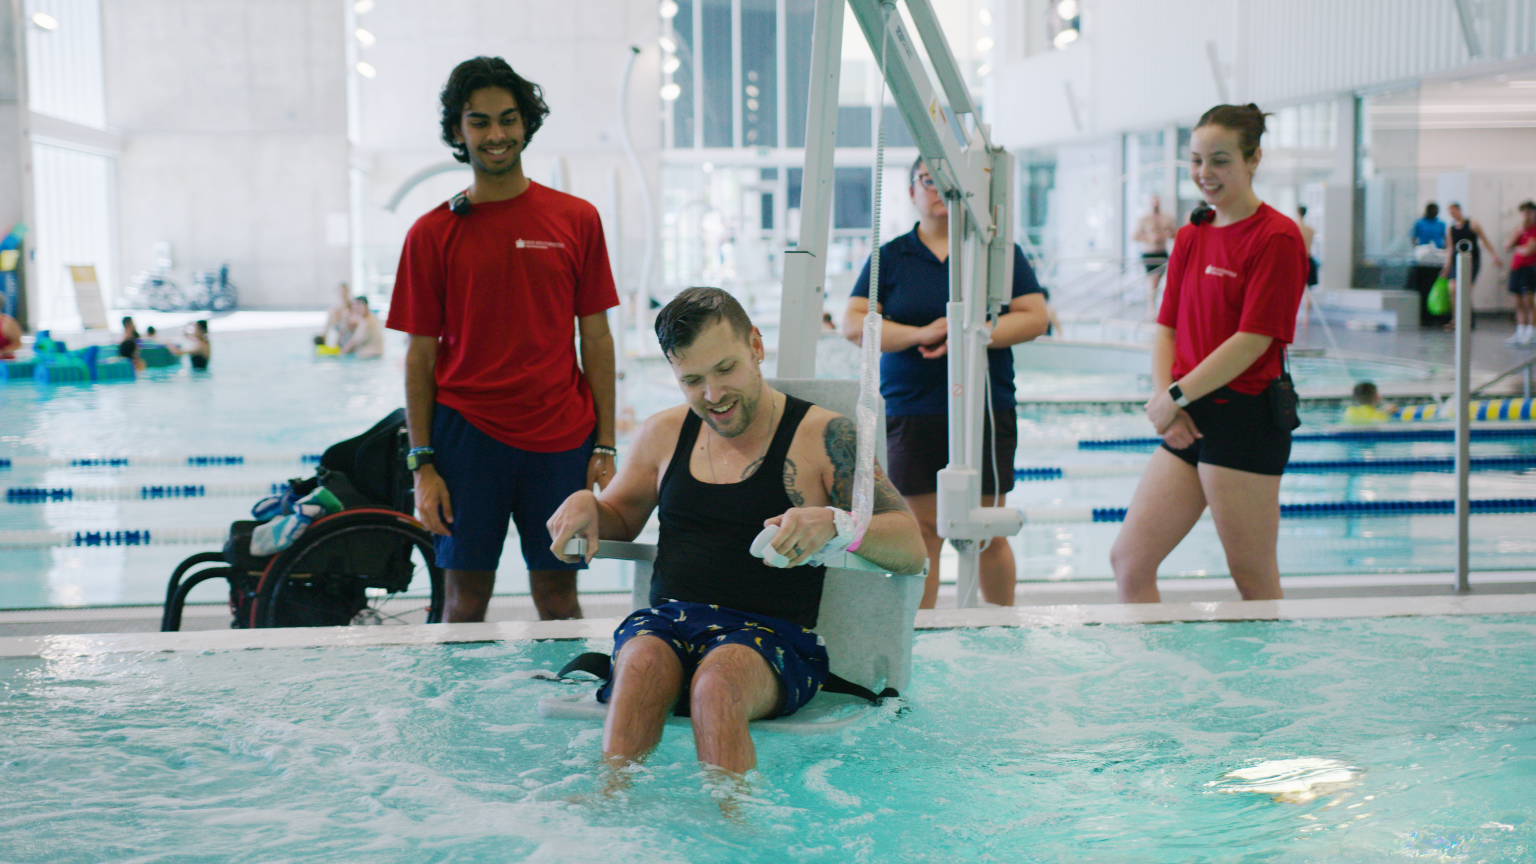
(490, 483)
(796, 655)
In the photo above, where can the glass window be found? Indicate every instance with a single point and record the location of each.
(682, 76)
(852, 195)
(760, 74)
(715, 50)
(799, 20)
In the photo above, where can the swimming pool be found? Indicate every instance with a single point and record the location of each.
(266, 394)
(1064, 743)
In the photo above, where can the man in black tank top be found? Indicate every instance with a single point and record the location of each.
(728, 639)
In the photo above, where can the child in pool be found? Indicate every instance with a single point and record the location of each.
(1368, 407)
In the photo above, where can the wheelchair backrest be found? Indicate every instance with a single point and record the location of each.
(374, 462)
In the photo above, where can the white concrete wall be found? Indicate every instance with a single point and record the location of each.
(1143, 63)
(234, 119)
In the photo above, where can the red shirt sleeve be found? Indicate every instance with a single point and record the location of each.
(1168, 313)
(1278, 277)
(594, 285)
(416, 306)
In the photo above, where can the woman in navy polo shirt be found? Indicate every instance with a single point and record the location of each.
(914, 376)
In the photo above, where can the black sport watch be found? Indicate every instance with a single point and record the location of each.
(1177, 393)
(418, 457)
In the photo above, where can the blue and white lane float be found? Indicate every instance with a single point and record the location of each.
(1322, 466)
(1341, 436)
(1032, 516)
(1478, 409)
(213, 460)
(157, 492)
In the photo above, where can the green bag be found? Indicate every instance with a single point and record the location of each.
(1439, 300)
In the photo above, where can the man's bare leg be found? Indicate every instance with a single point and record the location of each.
(647, 680)
(554, 594)
(467, 594)
(732, 687)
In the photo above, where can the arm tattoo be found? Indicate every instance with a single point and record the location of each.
(842, 443)
(841, 440)
(790, 473)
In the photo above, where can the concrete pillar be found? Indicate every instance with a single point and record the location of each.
(15, 148)
(1341, 239)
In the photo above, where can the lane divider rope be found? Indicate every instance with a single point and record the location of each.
(1344, 435)
(1032, 516)
(178, 461)
(45, 494)
(1321, 466)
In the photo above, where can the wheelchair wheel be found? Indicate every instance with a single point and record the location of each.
(224, 298)
(306, 585)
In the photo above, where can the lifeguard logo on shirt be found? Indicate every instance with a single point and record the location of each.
(538, 244)
(1213, 270)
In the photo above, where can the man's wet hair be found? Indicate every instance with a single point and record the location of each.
(202, 325)
(692, 312)
(1365, 393)
(477, 74)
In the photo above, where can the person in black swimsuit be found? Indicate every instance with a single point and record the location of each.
(729, 638)
(1464, 228)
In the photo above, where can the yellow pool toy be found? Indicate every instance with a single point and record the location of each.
(326, 350)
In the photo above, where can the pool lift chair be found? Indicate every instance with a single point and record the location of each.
(866, 616)
(346, 566)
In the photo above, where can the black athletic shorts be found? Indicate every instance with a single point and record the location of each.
(1522, 281)
(1154, 261)
(917, 447)
(1238, 433)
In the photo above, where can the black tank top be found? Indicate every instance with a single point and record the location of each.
(1458, 234)
(704, 553)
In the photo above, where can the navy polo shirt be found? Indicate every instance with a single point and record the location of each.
(914, 287)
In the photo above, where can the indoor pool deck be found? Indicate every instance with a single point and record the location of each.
(1032, 597)
(67, 645)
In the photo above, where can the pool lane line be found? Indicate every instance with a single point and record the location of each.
(1032, 516)
(176, 461)
(1321, 466)
(53, 494)
(1491, 433)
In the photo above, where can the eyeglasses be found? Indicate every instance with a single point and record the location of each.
(925, 181)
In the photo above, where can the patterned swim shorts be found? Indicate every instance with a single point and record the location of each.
(795, 654)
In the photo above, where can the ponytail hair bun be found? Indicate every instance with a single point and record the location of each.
(1246, 120)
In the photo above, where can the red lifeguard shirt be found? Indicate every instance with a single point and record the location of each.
(1248, 277)
(1518, 261)
(501, 288)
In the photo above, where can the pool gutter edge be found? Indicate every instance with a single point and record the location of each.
(73, 645)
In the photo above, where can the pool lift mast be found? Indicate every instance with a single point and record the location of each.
(976, 181)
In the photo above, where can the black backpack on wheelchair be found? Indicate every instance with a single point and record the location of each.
(346, 566)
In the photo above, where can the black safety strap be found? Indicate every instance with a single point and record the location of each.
(600, 666)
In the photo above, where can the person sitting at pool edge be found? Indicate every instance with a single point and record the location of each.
(728, 637)
(10, 336)
(367, 339)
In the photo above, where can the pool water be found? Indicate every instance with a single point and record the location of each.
(1065, 744)
(266, 393)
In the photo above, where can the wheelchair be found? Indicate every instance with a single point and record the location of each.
(347, 566)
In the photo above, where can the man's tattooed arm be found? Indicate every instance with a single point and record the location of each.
(841, 440)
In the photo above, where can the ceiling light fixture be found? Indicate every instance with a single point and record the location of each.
(984, 44)
(667, 44)
(986, 16)
(45, 21)
(984, 70)
(671, 91)
(1067, 9)
(668, 9)
(362, 7)
(365, 38)
(1065, 38)
(670, 64)
(366, 70)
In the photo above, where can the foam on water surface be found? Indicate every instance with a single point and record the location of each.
(1066, 744)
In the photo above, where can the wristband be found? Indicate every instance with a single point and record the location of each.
(1177, 393)
(605, 450)
(418, 457)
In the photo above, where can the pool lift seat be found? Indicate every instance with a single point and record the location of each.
(866, 615)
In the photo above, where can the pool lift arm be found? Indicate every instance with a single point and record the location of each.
(976, 180)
